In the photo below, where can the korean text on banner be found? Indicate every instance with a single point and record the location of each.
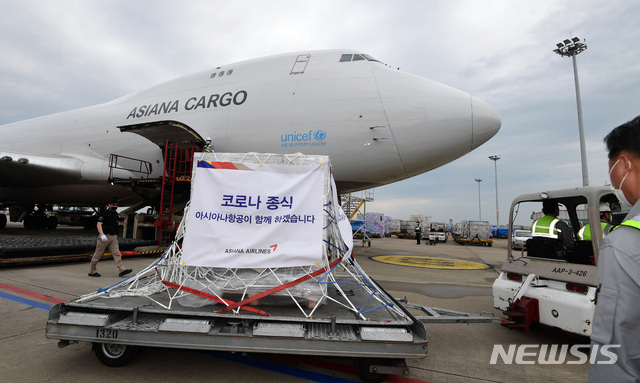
(255, 216)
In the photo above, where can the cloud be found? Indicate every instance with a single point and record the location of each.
(61, 56)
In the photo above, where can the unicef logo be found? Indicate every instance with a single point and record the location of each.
(320, 135)
(308, 138)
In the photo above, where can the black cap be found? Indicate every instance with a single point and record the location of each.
(549, 206)
(113, 200)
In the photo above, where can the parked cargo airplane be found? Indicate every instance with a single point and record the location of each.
(377, 124)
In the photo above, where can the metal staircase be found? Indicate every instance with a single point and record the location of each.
(354, 202)
(178, 162)
(168, 191)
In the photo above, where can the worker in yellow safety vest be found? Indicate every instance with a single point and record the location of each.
(418, 232)
(605, 221)
(550, 226)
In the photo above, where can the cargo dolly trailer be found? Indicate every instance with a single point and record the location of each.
(231, 299)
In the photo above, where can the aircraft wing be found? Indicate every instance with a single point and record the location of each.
(29, 169)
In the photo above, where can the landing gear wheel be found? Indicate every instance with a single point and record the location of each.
(34, 222)
(3, 221)
(362, 366)
(52, 222)
(29, 222)
(114, 355)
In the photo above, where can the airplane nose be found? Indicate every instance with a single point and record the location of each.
(431, 124)
(485, 122)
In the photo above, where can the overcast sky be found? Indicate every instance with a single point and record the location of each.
(61, 55)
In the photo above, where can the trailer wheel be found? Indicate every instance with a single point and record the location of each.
(362, 366)
(114, 355)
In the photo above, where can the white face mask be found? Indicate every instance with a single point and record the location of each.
(619, 193)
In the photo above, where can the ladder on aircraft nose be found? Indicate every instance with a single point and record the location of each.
(178, 163)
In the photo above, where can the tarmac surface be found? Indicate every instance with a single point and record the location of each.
(457, 352)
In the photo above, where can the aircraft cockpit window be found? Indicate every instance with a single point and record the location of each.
(370, 58)
(229, 72)
(213, 75)
(347, 57)
(221, 74)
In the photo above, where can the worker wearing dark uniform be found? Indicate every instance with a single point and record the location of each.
(108, 228)
(418, 231)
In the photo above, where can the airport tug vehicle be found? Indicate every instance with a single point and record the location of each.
(543, 283)
(229, 283)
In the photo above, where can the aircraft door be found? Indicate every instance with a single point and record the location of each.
(159, 132)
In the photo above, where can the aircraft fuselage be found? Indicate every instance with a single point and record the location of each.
(378, 125)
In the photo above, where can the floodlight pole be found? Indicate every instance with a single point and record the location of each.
(478, 180)
(495, 159)
(573, 48)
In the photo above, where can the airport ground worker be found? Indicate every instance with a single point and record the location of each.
(616, 321)
(550, 226)
(207, 146)
(418, 232)
(108, 229)
(605, 221)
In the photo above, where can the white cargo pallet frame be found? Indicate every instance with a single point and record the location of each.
(351, 317)
(170, 267)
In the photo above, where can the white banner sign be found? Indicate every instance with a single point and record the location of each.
(255, 216)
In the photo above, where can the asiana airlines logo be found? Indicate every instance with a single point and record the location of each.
(303, 139)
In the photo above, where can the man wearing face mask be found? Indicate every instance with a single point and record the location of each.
(108, 229)
(616, 319)
(605, 222)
